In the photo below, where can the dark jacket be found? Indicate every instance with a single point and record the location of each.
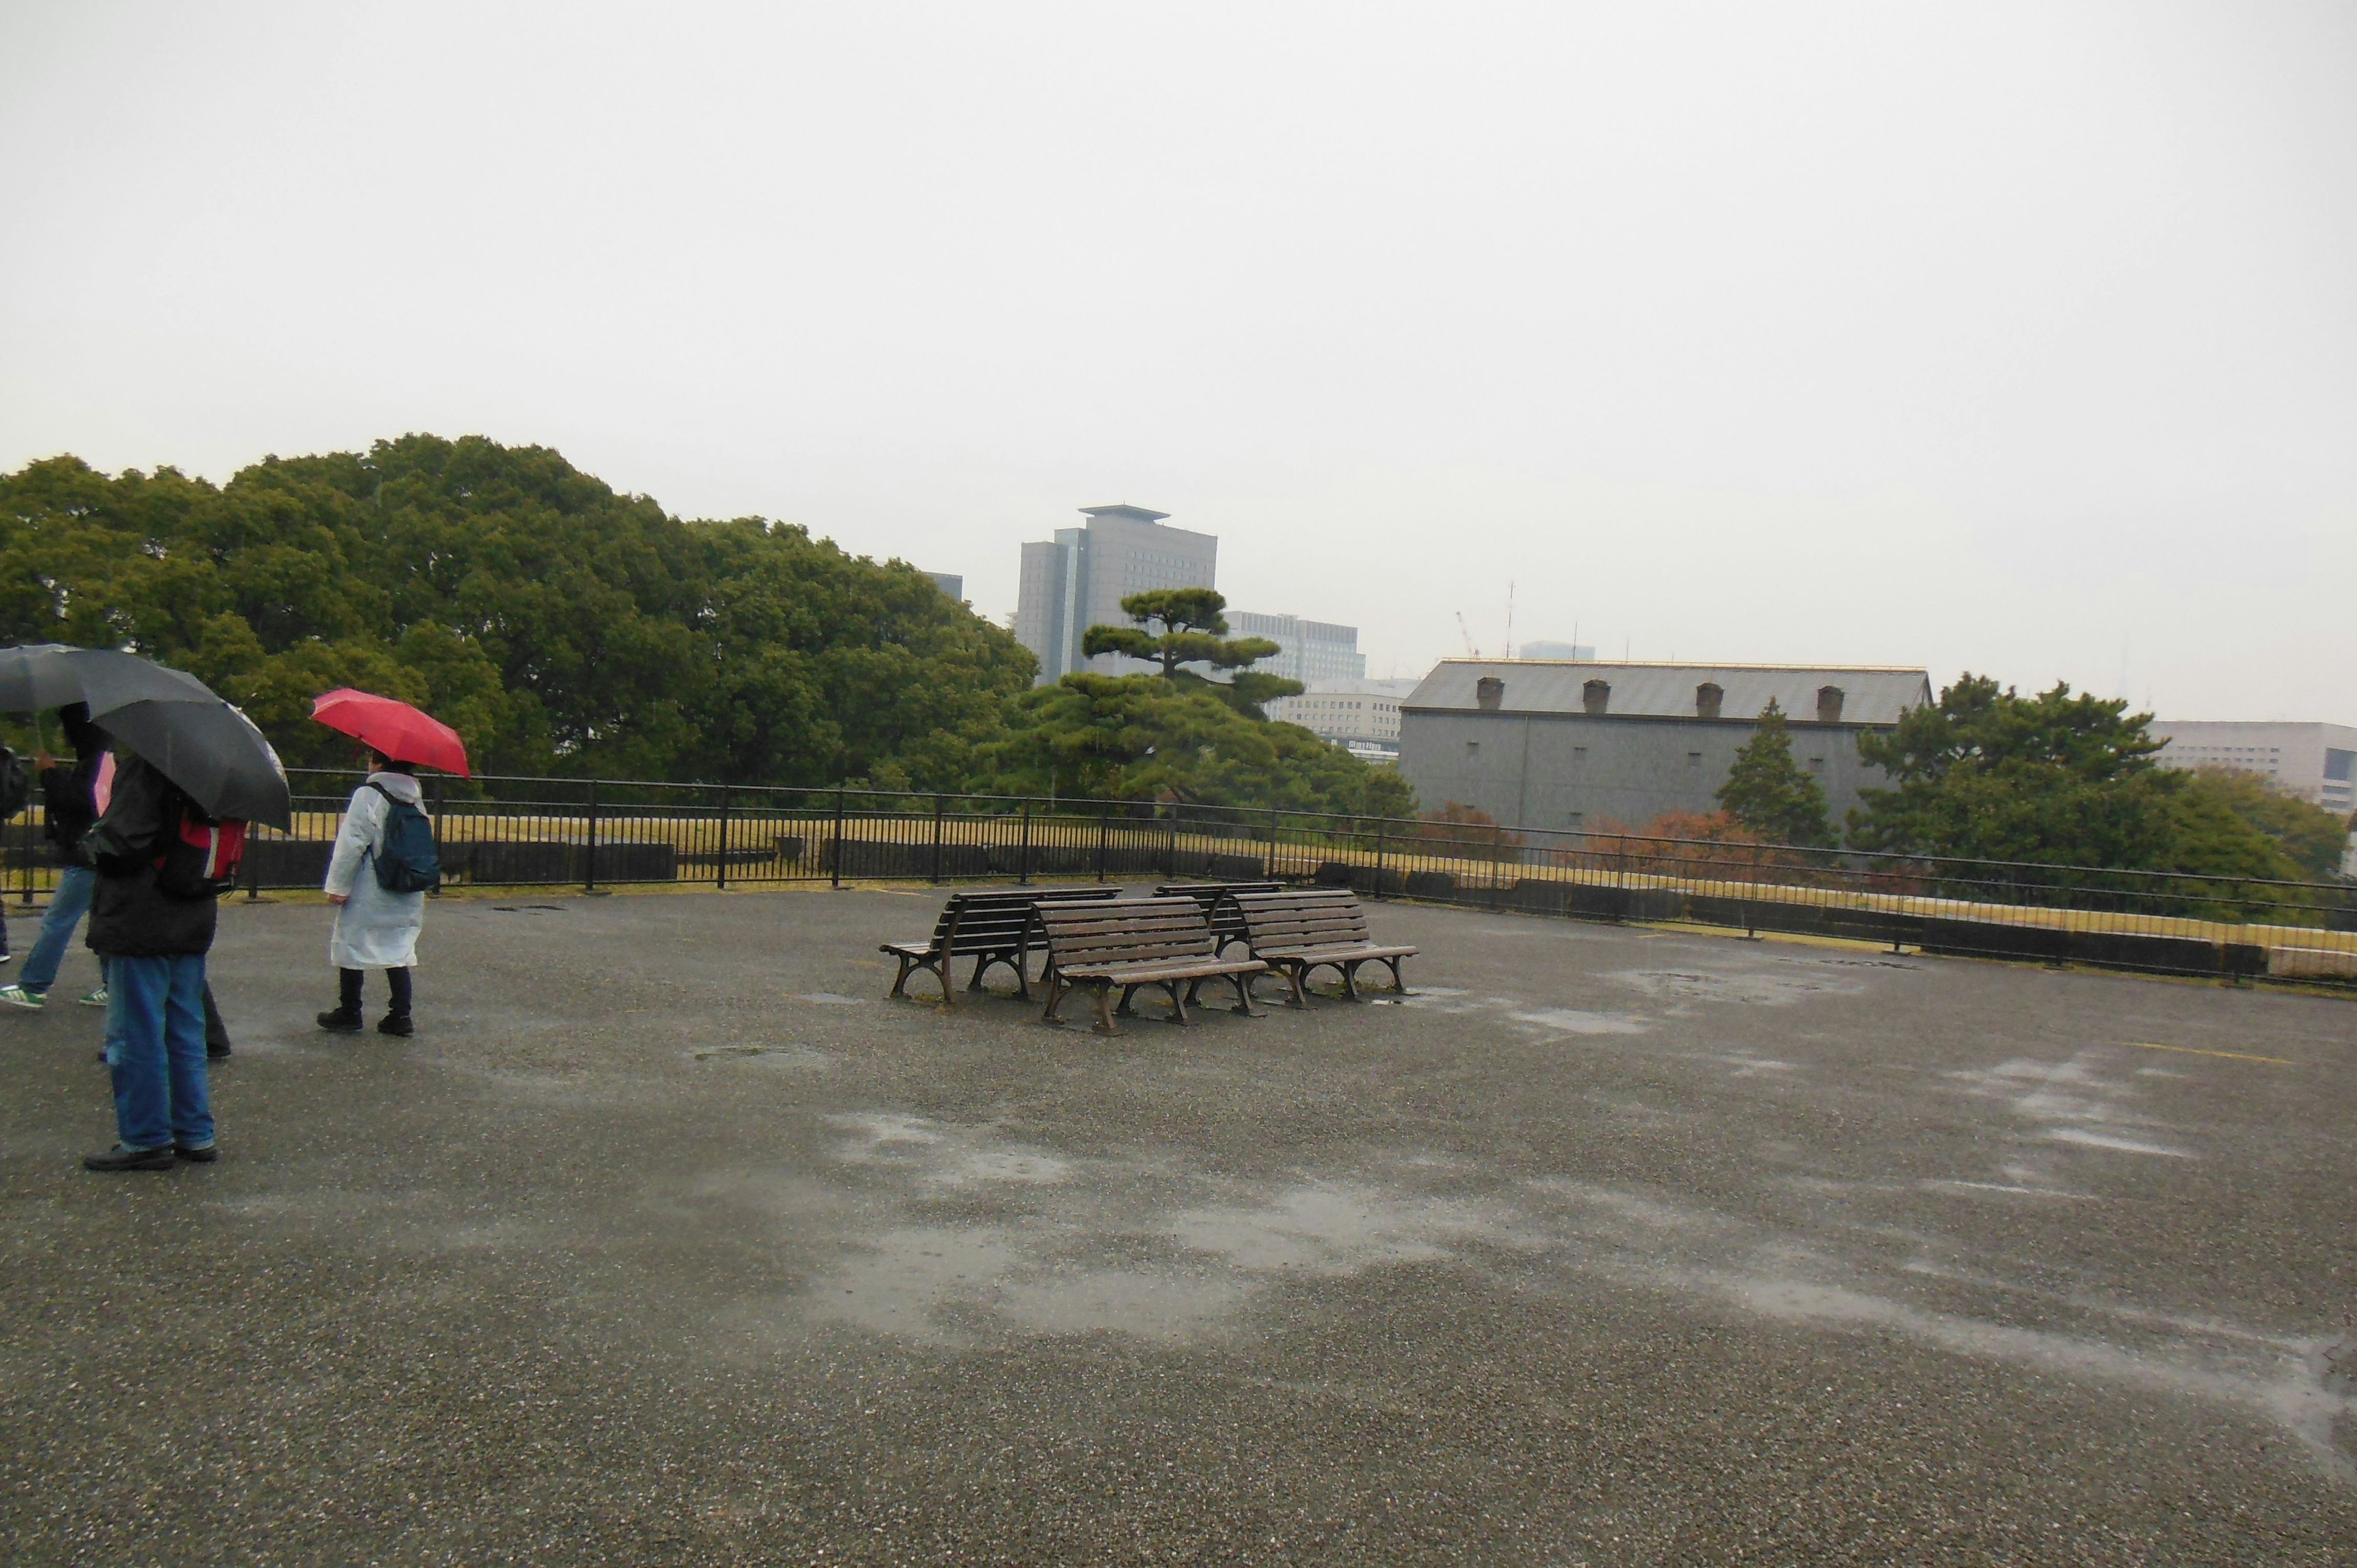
(130, 917)
(69, 807)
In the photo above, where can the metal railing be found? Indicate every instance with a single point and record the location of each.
(597, 834)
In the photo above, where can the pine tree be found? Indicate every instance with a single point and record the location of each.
(1194, 631)
(1766, 792)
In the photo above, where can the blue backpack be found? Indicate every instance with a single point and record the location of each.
(406, 860)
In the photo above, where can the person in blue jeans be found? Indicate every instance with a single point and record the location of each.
(153, 942)
(69, 808)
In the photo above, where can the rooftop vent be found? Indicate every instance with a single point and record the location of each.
(1707, 697)
(1596, 696)
(1829, 705)
(1489, 693)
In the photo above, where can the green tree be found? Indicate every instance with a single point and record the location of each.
(2311, 838)
(2057, 779)
(559, 625)
(1194, 631)
(1769, 793)
(1141, 738)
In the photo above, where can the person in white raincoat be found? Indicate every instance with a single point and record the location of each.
(374, 928)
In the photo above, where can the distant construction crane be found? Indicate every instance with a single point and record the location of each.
(1470, 651)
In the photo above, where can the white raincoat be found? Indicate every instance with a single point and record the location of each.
(374, 928)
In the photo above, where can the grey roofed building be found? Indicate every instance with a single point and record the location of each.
(1577, 745)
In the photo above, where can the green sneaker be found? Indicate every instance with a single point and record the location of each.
(95, 999)
(17, 996)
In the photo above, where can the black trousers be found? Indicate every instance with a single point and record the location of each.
(349, 980)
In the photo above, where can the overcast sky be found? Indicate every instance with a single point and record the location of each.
(2016, 339)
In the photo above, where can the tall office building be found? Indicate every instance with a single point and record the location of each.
(1313, 652)
(1079, 578)
(2312, 762)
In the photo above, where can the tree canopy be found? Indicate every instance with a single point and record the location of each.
(560, 626)
(1769, 794)
(2059, 778)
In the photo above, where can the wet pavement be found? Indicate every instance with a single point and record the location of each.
(665, 1238)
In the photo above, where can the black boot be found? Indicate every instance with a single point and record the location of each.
(396, 1018)
(344, 1019)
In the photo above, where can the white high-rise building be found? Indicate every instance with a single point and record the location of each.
(2315, 762)
(1310, 651)
(1079, 578)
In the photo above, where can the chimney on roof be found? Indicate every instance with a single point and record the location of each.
(1707, 697)
(1489, 693)
(1596, 696)
(1829, 705)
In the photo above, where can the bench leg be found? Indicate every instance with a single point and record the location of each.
(1128, 1008)
(1178, 1003)
(900, 980)
(1398, 984)
(1296, 995)
(1244, 994)
(1105, 1025)
(1350, 980)
(1056, 990)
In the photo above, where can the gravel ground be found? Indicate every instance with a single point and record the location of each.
(667, 1240)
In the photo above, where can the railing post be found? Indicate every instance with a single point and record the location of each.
(1104, 831)
(1022, 862)
(589, 855)
(938, 800)
(1170, 850)
(1379, 827)
(724, 838)
(434, 786)
(1272, 842)
(838, 856)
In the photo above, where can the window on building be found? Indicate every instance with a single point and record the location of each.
(1693, 759)
(2339, 765)
(1816, 764)
(1472, 748)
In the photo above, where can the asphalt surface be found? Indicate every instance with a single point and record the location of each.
(666, 1240)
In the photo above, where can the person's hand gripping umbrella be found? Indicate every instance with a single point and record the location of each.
(393, 729)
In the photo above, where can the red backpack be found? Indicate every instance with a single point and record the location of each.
(201, 860)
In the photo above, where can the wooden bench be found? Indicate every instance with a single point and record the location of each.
(1294, 933)
(1227, 926)
(993, 927)
(1136, 942)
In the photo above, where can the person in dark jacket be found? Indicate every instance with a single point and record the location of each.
(153, 944)
(69, 807)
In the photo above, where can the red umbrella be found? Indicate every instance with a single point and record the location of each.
(392, 727)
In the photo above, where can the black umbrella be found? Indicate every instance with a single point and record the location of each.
(169, 717)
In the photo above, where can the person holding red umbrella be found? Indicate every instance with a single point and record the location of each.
(383, 863)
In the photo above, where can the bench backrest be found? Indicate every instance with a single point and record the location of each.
(1128, 931)
(994, 921)
(1226, 924)
(1311, 917)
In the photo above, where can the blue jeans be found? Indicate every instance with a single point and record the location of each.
(155, 1050)
(67, 905)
